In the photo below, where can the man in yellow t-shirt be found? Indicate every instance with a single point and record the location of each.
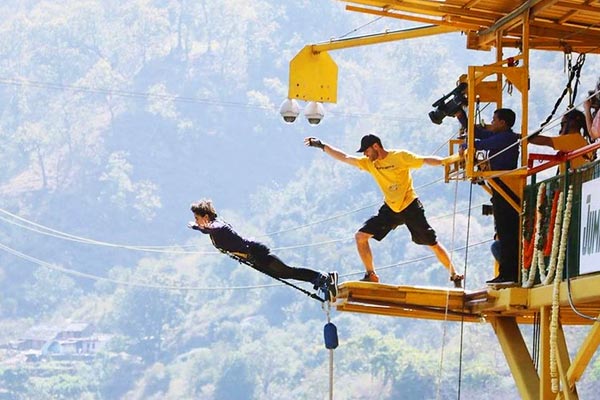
(573, 135)
(391, 171)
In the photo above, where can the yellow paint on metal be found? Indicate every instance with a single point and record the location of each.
(517, 356)
(410, 33)
(584, 355)
(483, 304)
(584, 291)
(544, 352)
(313, 76)
(564, 363)
(534, 24)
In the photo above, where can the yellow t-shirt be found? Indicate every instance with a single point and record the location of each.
(570, 142)
(392, 174)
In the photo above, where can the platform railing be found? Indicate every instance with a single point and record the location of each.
(576, 178)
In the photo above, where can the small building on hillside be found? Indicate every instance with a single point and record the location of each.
(72, 338)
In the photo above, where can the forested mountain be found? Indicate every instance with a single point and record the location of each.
(117, 115)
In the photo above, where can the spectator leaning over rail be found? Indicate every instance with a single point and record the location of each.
(572, 136)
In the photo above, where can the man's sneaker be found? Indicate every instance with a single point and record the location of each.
(501, 280)
(370, 277)
(457, 280)
(332, 283)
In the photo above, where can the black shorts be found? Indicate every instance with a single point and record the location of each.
(412, 216)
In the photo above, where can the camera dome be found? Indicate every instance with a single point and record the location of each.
(314, 112)
(289, 110)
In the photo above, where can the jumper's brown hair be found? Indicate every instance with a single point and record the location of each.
(204, 207)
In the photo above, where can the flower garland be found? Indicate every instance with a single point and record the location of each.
(547, 232)
(527, 255)
(547, 279)
(529, 275)
(556, 293)
(549, 238)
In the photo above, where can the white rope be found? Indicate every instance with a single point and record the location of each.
(67, 271)
(169, 249)
(445, 322)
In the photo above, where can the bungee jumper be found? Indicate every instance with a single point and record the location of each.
(256, 254)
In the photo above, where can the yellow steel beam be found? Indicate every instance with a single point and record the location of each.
(584, 289)
(337, 44)
(584, 355)
(544, 352)
(516, 184)
(440, 9)
(437, 315)
(563, 361)
(542, 6)
(313, 73)
(517, 356)
(401, 295)
(455, 22)
(510, 17)
(518, 76)
(505, 299)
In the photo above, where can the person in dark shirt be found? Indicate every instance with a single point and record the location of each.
(500, 141)
(259, 256)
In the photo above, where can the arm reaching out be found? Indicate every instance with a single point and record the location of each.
(435, 160)
(541, 140)
(331, 151)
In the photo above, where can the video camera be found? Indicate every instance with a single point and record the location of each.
(444, 109)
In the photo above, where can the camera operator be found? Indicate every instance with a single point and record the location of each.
(590, 109)
(500, 141)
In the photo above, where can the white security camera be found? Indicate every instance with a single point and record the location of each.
(289, 110)
(314, 112)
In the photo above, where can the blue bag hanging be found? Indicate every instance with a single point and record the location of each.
(331, 337)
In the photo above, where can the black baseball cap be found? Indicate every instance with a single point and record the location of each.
(368, 141)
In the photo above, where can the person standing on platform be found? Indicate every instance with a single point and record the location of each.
(391, 171)
(499, 140)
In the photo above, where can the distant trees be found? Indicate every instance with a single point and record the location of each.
(49, 291)
(142, 314)
(15, 382)
(237, 381)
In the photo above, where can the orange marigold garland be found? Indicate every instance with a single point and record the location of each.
(528, 275)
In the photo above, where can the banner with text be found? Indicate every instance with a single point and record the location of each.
(589, 249)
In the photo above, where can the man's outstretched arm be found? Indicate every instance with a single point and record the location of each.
(435, 160)
(331, 151)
